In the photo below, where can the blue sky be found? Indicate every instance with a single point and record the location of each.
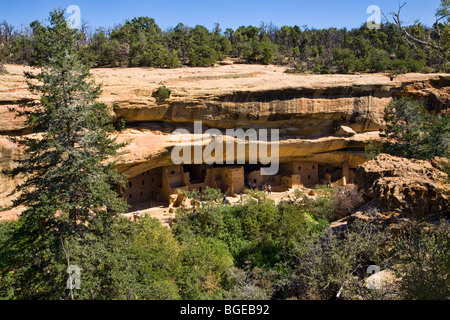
(230, 13)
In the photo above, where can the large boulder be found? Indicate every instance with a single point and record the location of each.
(412, 187)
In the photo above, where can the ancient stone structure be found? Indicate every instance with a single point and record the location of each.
(158, 186)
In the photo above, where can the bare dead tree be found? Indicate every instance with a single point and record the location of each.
(435, 44)
(2, 69)
(6, 31)
(86, 31)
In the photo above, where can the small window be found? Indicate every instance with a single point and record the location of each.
(299, 168)
(152, 192)
(173, 172)
(328, 170)
(309, 177)
(131, 196)
(130, 184)
(143, 182)
(314, 167)
(153, 179)
(142, 194)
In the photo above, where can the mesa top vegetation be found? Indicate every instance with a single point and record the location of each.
(140, 42)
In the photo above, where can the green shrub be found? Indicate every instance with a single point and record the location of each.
(162, 93)
(203, 56)
(325, 264)
(422, 263)
(373, 149)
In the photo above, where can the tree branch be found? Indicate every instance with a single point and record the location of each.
(398, 23)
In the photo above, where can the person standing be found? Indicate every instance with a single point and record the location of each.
(270, 189)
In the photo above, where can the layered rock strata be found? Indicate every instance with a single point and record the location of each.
(323, 120)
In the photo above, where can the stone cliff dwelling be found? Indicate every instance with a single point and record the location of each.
(161, 186)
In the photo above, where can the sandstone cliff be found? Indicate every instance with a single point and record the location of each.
(409, 187)
(324, 119)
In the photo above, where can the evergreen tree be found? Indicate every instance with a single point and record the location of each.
(412, 132)
(67, 190)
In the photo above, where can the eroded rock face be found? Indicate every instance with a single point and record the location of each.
(322, 119)
(411, 187)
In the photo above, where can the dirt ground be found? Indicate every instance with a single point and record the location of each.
(139, 83)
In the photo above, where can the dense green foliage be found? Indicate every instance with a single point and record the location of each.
(256, 231)
(412, 132)
(253, 250)
(141, 42)
(421, 249)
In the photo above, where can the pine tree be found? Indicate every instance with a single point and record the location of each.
(67, 189)
(66, 164)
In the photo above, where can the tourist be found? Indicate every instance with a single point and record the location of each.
(225, 199)
(270, 189)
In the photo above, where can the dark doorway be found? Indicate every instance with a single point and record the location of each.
(195, 173)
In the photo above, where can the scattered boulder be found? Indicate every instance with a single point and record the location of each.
(380, 280)
(345, 131)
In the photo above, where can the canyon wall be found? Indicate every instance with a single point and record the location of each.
(322, 119)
